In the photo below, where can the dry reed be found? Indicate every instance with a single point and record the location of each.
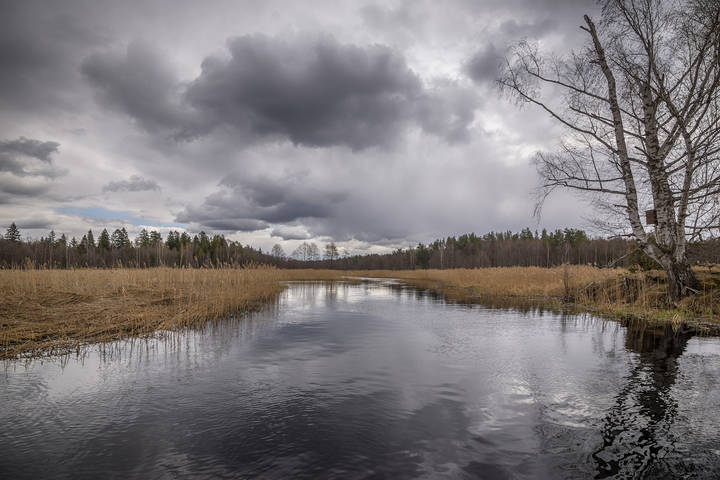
(615, 292)
(46, 311)
(507, 281)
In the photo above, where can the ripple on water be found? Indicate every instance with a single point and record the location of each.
(372, 380)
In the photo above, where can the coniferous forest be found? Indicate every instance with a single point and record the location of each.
(494, 249)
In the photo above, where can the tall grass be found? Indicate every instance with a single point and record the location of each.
(510, 281)
(57, 310)
(616, 292)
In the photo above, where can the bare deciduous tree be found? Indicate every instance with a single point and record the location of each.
(331, 252)
(641, 107)
(277, 251)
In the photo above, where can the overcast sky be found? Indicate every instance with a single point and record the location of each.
(372, 124)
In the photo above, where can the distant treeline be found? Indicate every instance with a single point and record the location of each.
(149, 248)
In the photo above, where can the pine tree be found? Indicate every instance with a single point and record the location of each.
(143, 239)
(103, 241)
(119, 238)
(12, 233)
(156, 238)
(90, 240)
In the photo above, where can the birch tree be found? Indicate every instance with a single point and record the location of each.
(640, 107)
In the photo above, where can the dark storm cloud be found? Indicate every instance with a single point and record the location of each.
(263, 200)
(484, 65)
(39, 45)
(141, 84)
(314, 92)
(27, 157)
(133, 184)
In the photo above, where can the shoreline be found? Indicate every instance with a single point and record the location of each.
(616, 295)
(461, 295)
(51, 312)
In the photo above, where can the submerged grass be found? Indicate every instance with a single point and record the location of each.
(55, 311)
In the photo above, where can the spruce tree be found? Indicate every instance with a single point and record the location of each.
(143, 239)
(104, 240)
(12, 233)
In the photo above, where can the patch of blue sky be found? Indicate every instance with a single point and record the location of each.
(101, 213)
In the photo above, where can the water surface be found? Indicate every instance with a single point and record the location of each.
(374, 380)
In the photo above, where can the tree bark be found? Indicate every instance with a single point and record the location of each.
(681, 279)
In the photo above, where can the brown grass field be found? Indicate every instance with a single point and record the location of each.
(49, 311)
(611, 292)
(55, 311)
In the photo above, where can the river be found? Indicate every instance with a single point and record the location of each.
(371, 380)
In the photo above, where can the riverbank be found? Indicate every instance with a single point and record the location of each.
(616, 293)
(56, 311)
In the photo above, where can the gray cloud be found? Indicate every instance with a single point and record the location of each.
(447, 111)
(484, 65)
(372, 100)
(27, 157)
(35, 224)
(15, 186)
(312, 91)
(230, 224)
(290, 233)
(263, 199)
(141, 84)
(536, 28)
(133, 184)
(534, 19)
(39, 47)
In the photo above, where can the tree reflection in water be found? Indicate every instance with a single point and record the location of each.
(636, 432)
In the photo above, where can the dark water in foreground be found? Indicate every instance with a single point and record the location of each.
(372, 381)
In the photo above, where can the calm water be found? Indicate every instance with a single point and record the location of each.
(371, 381)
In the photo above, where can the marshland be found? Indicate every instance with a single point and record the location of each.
(332, 378)
(56, 311)
(363, 239)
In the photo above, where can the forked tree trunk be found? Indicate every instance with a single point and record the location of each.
(670, 249)
(646, 129)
